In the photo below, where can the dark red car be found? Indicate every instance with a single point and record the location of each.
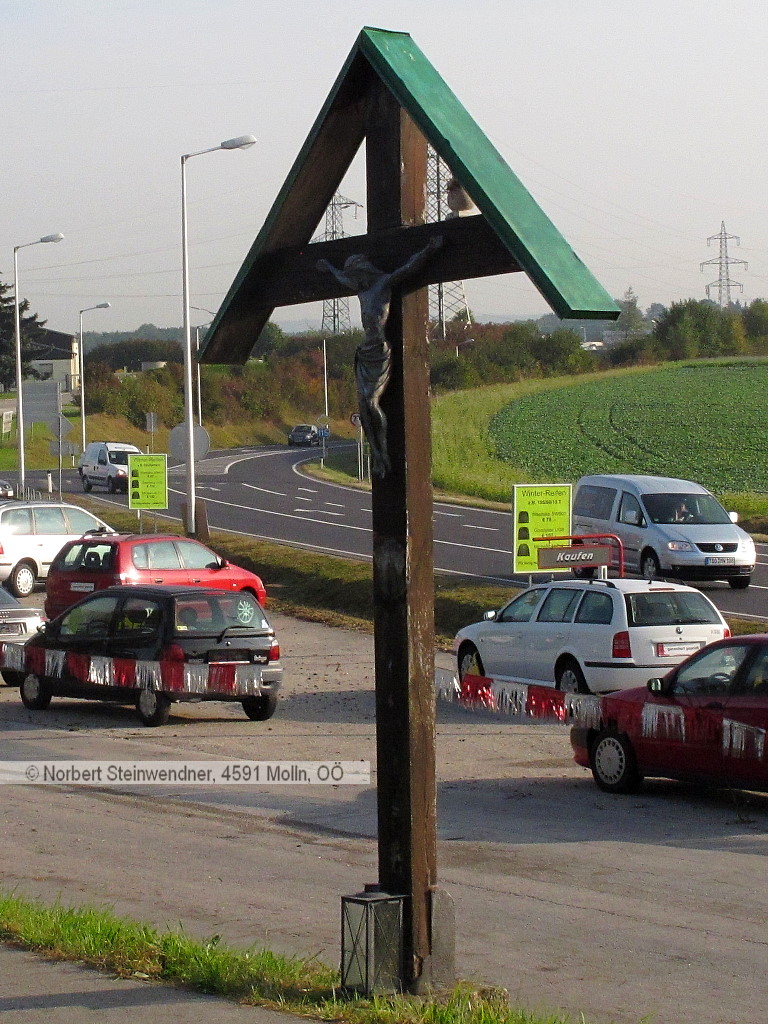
(706, 721)
(100, 560)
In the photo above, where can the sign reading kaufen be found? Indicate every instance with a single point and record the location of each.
(538, 510)
(148, 481)
(574, 557)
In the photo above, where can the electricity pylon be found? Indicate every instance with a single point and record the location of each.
(448, 299)
(336, 319)
(723, 261)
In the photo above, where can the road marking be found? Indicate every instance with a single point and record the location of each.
(265, 490)
(300, 497)
(319, 511)
(455, 515)
(491, 529)
(336, 504)
(310, 490)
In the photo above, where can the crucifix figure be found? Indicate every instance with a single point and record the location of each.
(373, 358)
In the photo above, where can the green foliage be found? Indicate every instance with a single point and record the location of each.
(131, 353)
(704, 422)
(691, 328)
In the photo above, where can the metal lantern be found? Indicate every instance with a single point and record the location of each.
(371, 941)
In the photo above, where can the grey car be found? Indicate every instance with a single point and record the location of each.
(304, 434)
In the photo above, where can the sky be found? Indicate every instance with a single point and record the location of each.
(637, 125)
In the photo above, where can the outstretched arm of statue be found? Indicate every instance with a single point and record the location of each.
(416, 261)
(340, 276)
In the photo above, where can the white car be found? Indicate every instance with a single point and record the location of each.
(31, 535)
(590, 636)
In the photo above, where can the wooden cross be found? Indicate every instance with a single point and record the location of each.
(390, 98)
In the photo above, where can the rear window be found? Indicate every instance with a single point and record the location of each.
(213, 613)
(89, 555)
(594, 502)
(669, 608)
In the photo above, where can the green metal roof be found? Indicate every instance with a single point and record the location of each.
(516, 218)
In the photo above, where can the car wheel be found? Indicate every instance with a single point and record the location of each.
(613, 763)
(34, 694)
(153, 707)
(22, 580)
(649, 565)
(259, 709)
(570, 678)
(740, 582)
(470, 662)
(87, 485)
(11, 677)
(110, 485)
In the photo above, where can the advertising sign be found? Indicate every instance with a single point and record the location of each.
(148, 481)
(538, 510)
(570, 557)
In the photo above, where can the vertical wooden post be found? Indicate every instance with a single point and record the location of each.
(403, 560)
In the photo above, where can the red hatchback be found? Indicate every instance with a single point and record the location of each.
(97, 561)
(706, 721)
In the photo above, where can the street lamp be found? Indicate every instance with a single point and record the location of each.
(17, 321)
(202, 309)
(81, 369)
(241, 142)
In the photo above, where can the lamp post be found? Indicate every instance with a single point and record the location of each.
(81, 369)
(202, 309)
(241, 142)
(17, 325)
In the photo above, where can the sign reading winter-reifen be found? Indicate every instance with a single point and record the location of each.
(148, 481)
(539, 511)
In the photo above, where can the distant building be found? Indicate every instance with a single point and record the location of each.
(57, 359)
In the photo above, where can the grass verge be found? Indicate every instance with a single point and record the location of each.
(302, 986)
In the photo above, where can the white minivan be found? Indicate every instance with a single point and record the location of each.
(668, 527)
(106, 463)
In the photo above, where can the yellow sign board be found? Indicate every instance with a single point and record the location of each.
(148, 481)
(539, 511)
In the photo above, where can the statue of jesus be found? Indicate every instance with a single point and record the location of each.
(373, 358)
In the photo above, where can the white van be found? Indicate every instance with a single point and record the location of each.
(106, 463)
(668, 527)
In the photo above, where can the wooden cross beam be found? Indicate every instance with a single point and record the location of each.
(288, 276)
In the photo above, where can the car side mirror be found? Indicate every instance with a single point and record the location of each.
(490, 616)
(656, 685)
(733, 516)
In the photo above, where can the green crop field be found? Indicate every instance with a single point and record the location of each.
(703, 422)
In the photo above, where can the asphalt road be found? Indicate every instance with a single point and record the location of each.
(264, 493)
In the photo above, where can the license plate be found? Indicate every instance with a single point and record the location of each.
(719, 560)
(10, 628)
(81, 588)
(677, 649)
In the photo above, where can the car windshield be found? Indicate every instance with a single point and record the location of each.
(669, 608)
(213, 613)
(119, 458)
(697, 509)
(7, 601)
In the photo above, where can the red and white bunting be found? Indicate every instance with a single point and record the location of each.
(227, 679)
(543, 703)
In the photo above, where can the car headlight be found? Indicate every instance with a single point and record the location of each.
(747, 545)
(680, 545)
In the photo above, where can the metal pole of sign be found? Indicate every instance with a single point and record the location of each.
(60, 452)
